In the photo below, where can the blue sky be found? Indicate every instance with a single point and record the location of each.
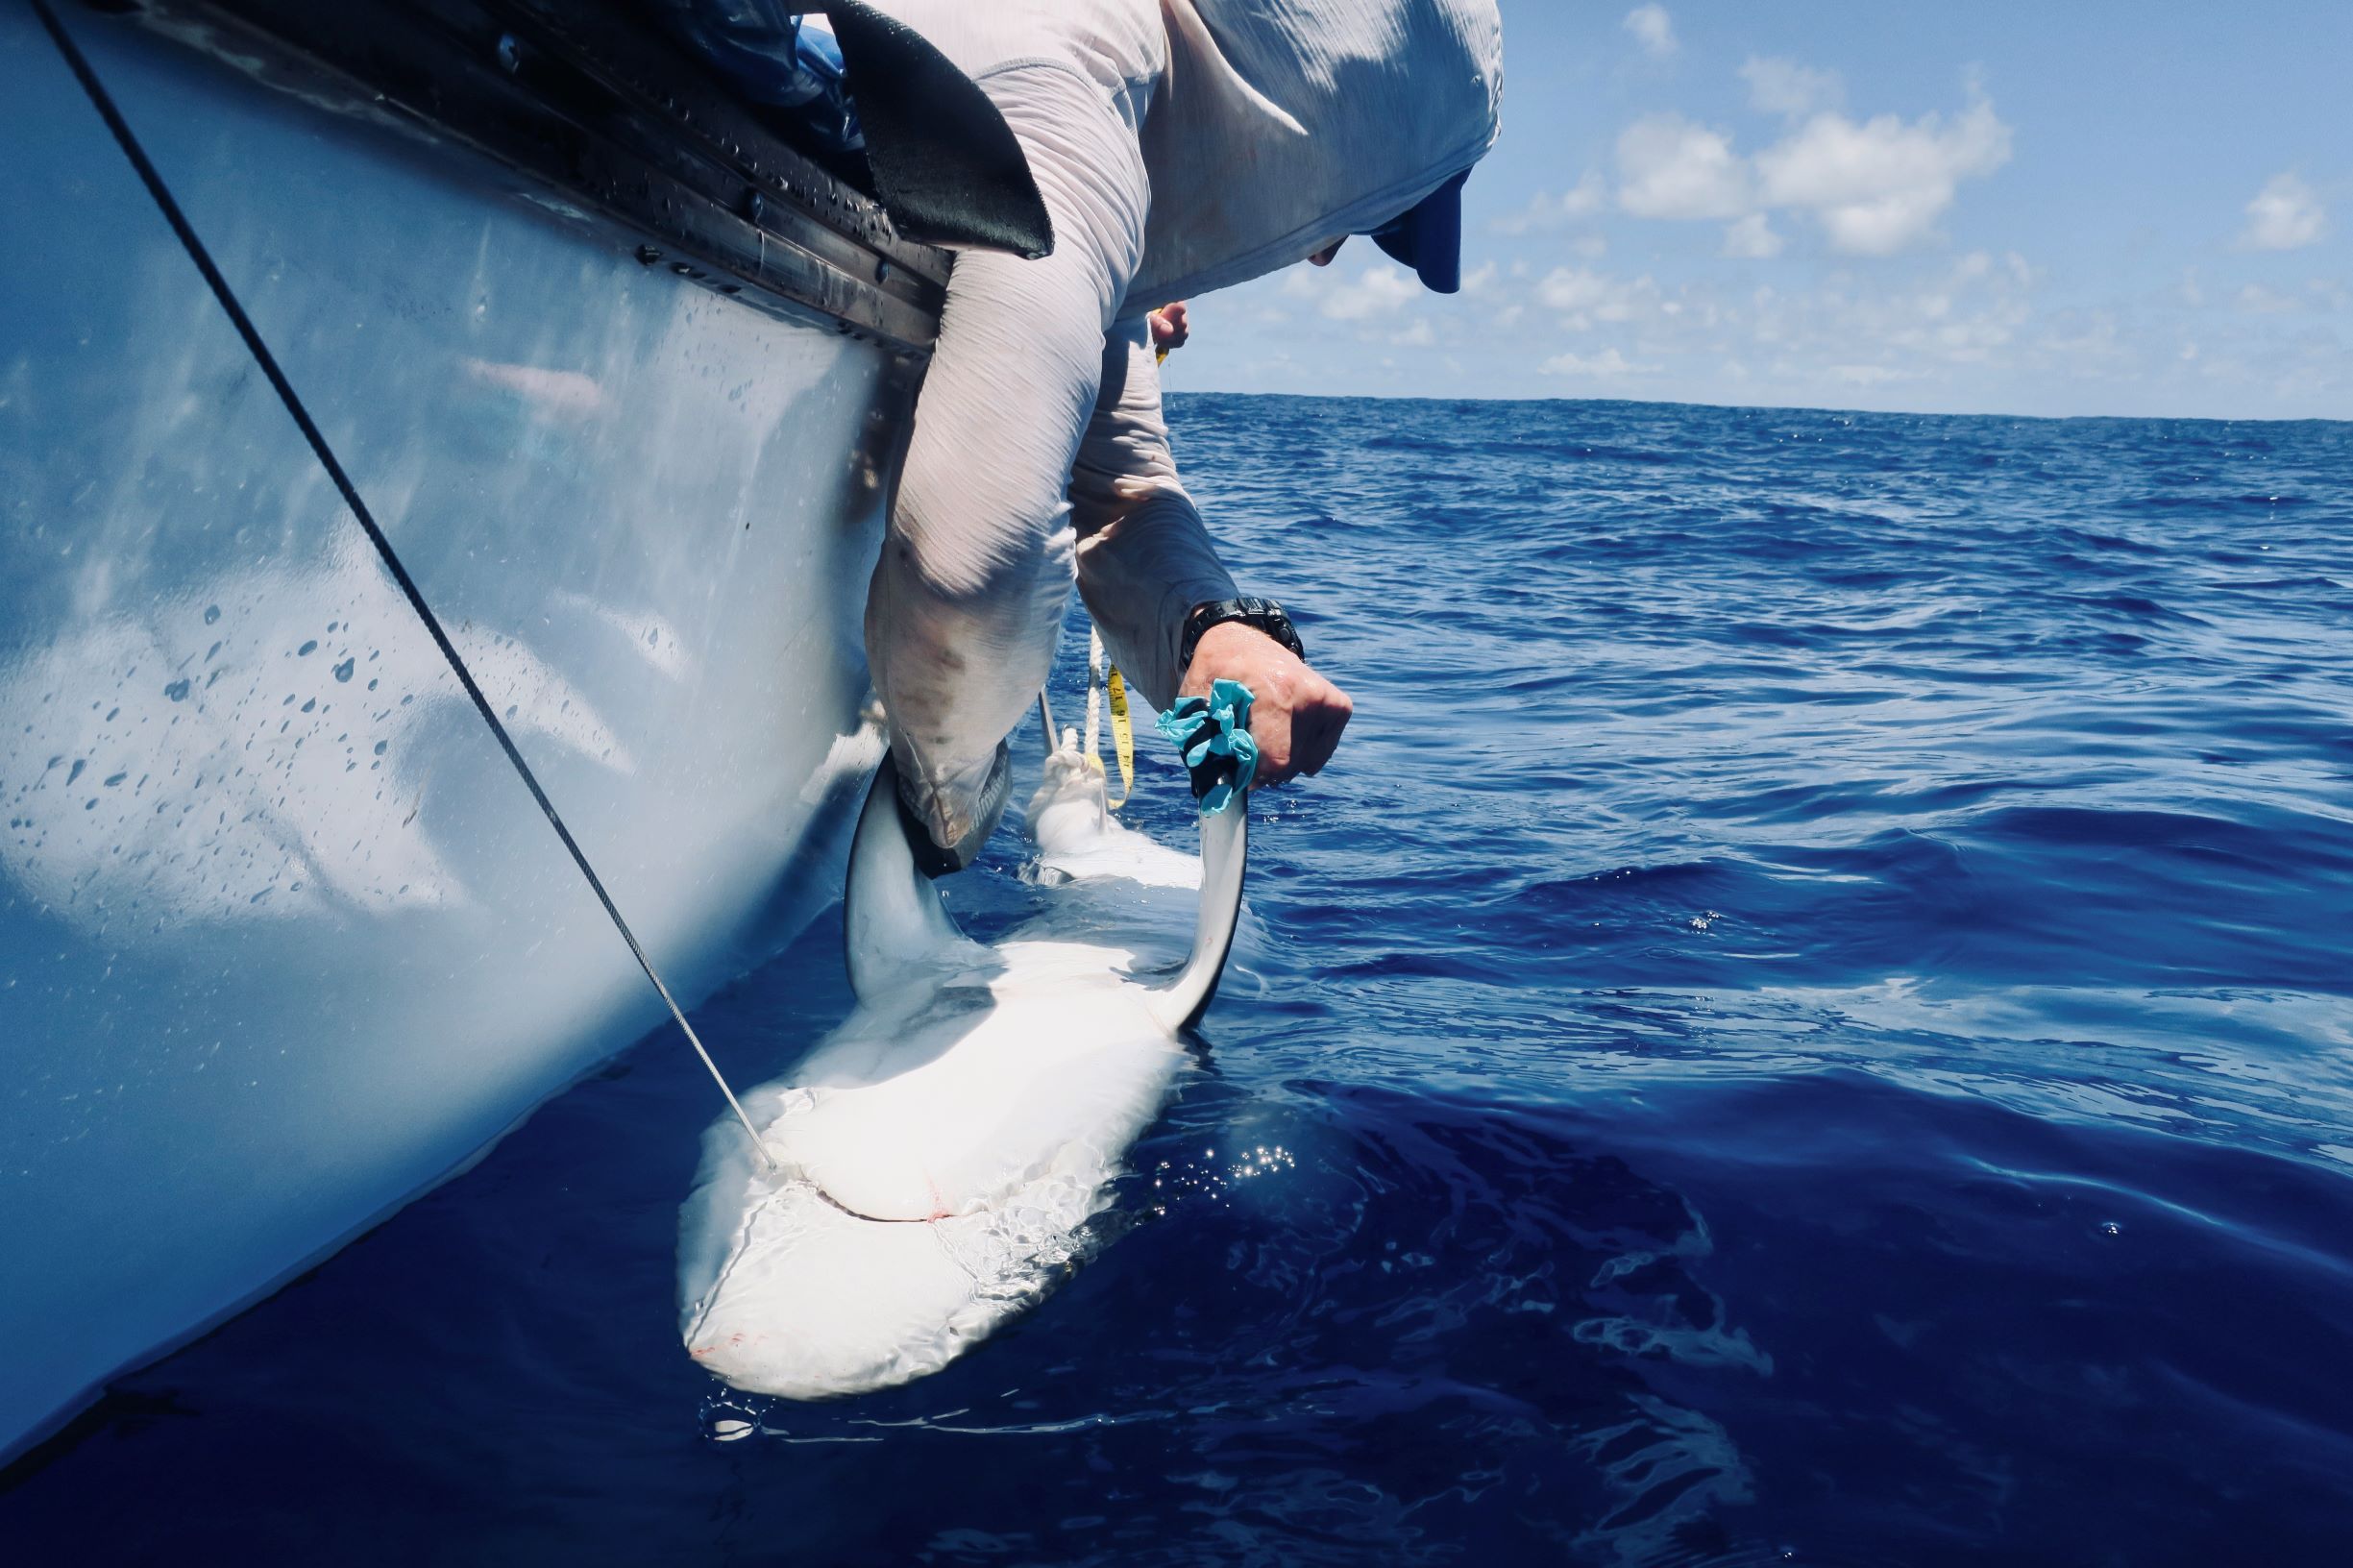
(2077, 207)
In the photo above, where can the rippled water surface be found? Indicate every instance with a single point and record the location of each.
(1809, 1022)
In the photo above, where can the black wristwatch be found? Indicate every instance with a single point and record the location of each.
(1259, 614)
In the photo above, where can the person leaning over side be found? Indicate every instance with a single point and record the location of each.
(1180, 146)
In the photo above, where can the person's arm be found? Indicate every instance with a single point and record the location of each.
(1144, 560)
(968, 596)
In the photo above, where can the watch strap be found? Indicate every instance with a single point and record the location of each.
(1259, 614)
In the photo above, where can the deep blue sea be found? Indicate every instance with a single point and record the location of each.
(1812, 1021)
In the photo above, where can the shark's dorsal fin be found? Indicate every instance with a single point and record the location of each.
(892, 916)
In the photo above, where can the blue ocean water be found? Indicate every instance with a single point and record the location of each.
(1809, 1022)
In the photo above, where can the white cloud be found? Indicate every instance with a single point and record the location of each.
(1752, 239)
(1954, 325)
(1878, 186)
(1870, 374)
(1783, 86)
(1653, 28)
(1381, 290)
(1546, 211)
(2081, 343)
(1669, 167)
(1608, 365)
(2285, 215)
(1855, 333)
(1572, 288)
(1583, 297)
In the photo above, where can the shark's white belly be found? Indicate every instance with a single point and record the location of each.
(940, 1155)
(913, 1215)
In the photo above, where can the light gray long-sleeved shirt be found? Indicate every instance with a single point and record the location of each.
(1180, 145)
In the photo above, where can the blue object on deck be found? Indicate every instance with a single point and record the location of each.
(769, 59)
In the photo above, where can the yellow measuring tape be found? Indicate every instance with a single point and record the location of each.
(1122, 736)
(1122, 727)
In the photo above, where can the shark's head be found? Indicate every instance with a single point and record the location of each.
(939, 1158)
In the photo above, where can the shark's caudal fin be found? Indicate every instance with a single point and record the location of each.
(1225, 856)
(1212, 733)
(891, 916)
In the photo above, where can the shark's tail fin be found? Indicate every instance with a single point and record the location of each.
(1225, 856)
(892, 919)
(1212, 735)
(891, 911)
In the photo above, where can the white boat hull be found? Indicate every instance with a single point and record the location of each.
(283, 940)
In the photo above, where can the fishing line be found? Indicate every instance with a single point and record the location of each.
(104, 103)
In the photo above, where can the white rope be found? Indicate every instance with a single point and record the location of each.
(1095, 693)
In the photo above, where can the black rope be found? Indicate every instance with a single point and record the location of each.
(104, 103)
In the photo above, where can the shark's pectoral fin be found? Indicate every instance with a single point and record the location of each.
(891, 916)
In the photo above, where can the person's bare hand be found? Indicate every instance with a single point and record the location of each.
(1296, 716)
(1168, 327)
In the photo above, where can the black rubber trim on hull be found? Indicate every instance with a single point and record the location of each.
(597, 108)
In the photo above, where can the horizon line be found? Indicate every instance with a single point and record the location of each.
(1776, 407)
